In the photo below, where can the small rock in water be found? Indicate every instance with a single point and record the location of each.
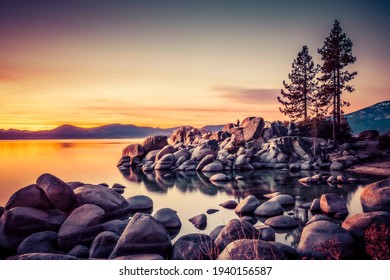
(239, 178)
(211, 211)
(230, 204)
(199, 221)
(219, 177)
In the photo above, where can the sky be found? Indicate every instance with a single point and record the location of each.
(165, 63)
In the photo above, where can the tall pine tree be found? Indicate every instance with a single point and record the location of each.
(336, 54)
(297, 98)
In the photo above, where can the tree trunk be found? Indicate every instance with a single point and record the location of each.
(305, 94)
(335, 127)
(338, 98)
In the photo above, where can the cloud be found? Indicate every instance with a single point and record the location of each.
(248, 95)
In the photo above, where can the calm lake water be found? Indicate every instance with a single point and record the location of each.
(189, 193)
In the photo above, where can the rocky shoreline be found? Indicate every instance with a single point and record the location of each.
(52, 219)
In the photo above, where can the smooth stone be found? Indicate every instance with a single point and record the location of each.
(133, 151)
(143, 235)
(240, 161)
(323, 217)
(81, 227)
(332, 204)
(20, 222)
(210, 147)
(194, 246)
(212, 211)
(156, 142)
(115, 226)
(315, 205)
(288, 251)
(199, 221)
(284, 199)
(168, 218)
(376, 196)
(30, 196)
(266, 233)
(40, 242)
(281, 221)
(103, 245)
(140, 202)
(181, 153)
(258, 250)
(165, 163)
(151, 156)
(141, 257)
(268, 209)
(79, 251)
(113, 204)
(336, 166)
(235, 229)
(229, 204)
(205, 161)
(247, 205)
(60, 195)
(215, 232)
(327, 237)
(253, 128)
(168, 149)
(213, 167)
(188, 165)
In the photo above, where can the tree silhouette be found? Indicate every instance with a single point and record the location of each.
(336, 54)
(297, 98)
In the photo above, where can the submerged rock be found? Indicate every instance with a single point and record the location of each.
(199, 221)
(194, 247)
(247, 205)
(168, 218)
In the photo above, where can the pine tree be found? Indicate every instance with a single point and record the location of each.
(297, 98)
(336, 54)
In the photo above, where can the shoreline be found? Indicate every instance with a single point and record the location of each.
(380, 168)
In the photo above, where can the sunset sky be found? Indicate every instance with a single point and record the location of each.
(173, 62)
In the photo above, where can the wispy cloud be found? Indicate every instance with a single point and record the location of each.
(248, 95)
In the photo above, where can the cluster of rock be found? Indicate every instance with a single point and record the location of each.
(253, 145)
(56, 220)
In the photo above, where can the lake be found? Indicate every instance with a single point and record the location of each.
(189, 193)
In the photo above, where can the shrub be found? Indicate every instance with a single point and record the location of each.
(377, 239)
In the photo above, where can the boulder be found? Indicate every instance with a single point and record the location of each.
(325, 240)
(30, 196)
(266, 233)
(333, 204)
(284, 199)
(247, 205)
(115, 226)
(228, 126)
(220, 177)
(281, 221)
(60, 195)
(253, 128)
(40, 242)
(181, 153)
(258, 250)
(215, 232)
(376, 196)
(229, 204)
(210, 147)
(213, 167)
(2, 209)
(235, 229)
(269, 209)
(188, 165)
(368, 135)
(240, 161)
(194, 247)
(323, 217)
(133, 151)
(211, 211)
(205, 161)
(168, 218)
(143, 235)
(103, 245)
(289, 252)
(199, 221)
(165, 163)
(151, 156)
(315, 205)
(168, 149)
(179, 135)
(154, 143)
(113, 204)
(140, 202)
(141, 257)
(81, 227)
(79, 251)
(358, 226)
(20, 222)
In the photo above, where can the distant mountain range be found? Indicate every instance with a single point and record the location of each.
(375, 117)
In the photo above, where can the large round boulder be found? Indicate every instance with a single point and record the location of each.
(40, 242)
(30, 196)
(229, 204)
(220, 177)
(213, 167)
(333, 204)
(103, 244)
(140, 202)
(269, 209)
(210, 147)
(281, 221)
(133, 151)
(360, 225)
(179, 135)
(60, 195)
(205, 161)
(253, 129)
(194, 246)
(165, 162)
(156, 142)
(143, 235)
(247, 205)
(376, 196)
(284, 199)
(168, 218)
(325, 240)
(113, 204)
(251, 249)
(236, 229)
(81, 227)
(20, 222)
(168, 149)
